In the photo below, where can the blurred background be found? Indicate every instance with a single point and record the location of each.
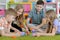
(28, 5)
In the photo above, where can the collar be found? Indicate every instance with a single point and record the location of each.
(39, 12)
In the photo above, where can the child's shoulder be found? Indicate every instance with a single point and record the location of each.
(56, 20)
(3, 20)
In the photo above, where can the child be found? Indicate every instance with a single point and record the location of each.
(5, 24)
(36, 15)
(20, 18)
(51, 21)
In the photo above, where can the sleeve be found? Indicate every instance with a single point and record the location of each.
(30, 14)
(43, 14)
(55, 22)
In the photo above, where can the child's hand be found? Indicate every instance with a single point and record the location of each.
(16, 31)
(27, 32)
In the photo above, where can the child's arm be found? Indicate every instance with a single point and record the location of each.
(25, 26)
(42, 24)
(28, 21)
(16, 30)
(27, 31)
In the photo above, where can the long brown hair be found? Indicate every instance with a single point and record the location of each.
(19, 6)
(52, 17)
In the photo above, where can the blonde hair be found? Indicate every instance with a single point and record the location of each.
(10, 11)
(53, 16)
(19, 6)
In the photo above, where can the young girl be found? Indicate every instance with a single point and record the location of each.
(19, 18)
(50, 21)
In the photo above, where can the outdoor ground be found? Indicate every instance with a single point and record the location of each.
(57, 37)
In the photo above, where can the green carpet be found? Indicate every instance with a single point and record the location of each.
(57, 37)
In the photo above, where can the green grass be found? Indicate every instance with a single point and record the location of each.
(57, 37)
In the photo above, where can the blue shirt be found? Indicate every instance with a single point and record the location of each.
(36, 18)
(57, 24)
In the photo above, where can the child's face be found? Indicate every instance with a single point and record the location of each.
(47, 15)
(20, 11)
(50, 15)
(10, 18)
(39, 7)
